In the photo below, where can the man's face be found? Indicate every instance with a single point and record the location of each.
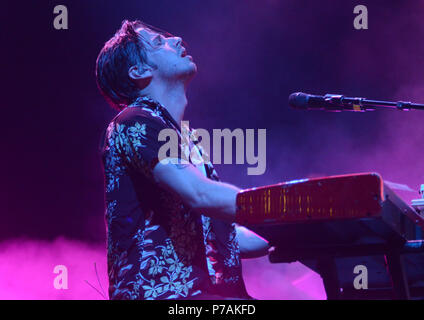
(168, 55)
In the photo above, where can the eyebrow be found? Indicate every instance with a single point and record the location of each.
(146, 37)
(162, 33)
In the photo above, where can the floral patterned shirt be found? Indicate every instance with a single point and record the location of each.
(157, 247)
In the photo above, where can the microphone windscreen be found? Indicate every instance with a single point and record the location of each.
(298, 100)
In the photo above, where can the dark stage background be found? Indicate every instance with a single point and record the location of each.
(250, 55)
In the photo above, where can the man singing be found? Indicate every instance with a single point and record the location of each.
(170, 227)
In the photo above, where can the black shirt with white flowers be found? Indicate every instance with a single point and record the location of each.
(157, 247)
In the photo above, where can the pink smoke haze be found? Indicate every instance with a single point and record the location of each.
(26, 269)
(26, 272)
(291, 281)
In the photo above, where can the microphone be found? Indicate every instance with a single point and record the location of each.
(337, 103)
(329, 102)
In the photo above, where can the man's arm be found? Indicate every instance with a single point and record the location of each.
(211, 198)
(251, 244)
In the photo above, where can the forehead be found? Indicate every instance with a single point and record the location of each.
(146, 33)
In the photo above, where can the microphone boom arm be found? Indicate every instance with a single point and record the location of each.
(337, 103)
(363, 104)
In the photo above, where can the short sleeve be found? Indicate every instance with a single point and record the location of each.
(137, 140)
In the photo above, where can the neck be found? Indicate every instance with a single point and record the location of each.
(170, 96)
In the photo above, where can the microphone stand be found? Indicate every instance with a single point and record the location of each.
(343, 103)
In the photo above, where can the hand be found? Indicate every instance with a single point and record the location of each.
(251, 244)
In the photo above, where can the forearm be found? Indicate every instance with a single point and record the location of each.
(205, 196)
(217, 199)
(251, 244)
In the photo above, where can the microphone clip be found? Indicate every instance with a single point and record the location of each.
(338, 103)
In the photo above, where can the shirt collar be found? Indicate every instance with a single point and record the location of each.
(154, 105)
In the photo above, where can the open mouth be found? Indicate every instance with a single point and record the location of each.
(184, 53)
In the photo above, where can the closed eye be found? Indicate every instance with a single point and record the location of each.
(158, 40)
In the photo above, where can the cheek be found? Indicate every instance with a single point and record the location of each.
(166, 59)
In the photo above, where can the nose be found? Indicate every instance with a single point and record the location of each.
(178, 41)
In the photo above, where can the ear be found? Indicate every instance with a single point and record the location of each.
(139, 73)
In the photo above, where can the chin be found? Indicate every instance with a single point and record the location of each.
(190, 71)
(194, 67)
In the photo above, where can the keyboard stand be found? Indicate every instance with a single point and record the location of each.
(322, 259)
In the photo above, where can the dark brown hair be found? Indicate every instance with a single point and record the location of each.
(125, 49)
